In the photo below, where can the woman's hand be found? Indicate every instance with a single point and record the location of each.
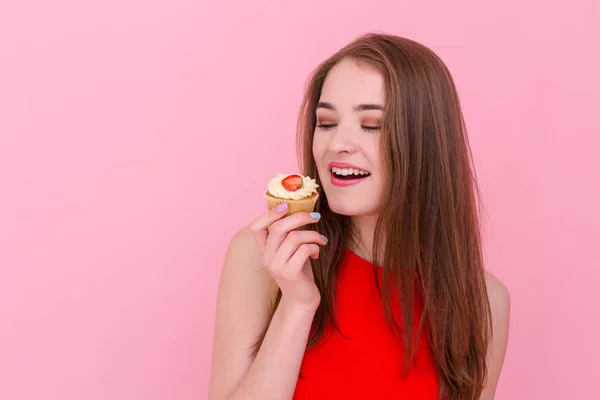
(287, 252)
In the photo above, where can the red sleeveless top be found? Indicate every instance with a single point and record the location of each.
(367, 361)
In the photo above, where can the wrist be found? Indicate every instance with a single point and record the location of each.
(298, 311)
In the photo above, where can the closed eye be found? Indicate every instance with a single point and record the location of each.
(370, 128)
(326, 126)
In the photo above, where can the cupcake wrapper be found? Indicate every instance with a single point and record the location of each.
(302, 205)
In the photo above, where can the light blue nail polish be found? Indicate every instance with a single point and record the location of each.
(315, 215)
(325, 239)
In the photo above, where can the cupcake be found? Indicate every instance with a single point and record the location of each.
(298, 191)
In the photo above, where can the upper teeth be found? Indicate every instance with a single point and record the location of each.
(348, 171)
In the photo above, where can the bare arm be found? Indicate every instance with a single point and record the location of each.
(245, 296)
(274, 372)
(500, 305)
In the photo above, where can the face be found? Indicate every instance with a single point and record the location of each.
(347, 138)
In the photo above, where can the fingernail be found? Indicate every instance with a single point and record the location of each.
(282, 207)
(325, 239)
(315, 215)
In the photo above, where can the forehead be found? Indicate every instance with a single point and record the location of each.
(350, 83)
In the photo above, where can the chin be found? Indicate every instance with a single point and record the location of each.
(349, 209)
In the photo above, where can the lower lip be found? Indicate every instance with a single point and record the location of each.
(343, 182)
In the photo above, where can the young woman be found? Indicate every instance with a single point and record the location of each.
(382, 293)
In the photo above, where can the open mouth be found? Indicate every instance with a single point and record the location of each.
(348, 174)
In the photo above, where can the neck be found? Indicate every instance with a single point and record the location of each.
(364, 228)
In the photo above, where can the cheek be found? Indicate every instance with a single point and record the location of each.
(318, 148)
(317, 155)
(376, 159)
(373, 152)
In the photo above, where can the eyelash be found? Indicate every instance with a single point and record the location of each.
(367, 128)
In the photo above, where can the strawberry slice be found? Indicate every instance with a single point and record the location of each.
(292, 183)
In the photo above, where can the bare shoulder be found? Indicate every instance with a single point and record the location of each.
(243, 269)
(499, 299)
(243, 245)
(498, 295)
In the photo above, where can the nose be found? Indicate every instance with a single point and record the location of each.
(342, 140)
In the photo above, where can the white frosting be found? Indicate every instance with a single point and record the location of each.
(309, 187)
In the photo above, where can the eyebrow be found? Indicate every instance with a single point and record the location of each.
(360, 107)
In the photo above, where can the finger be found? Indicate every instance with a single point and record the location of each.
(259, 225)
(279, 229)
(293, 241)
(295, 265)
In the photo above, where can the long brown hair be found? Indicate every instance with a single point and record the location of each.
(427, 234)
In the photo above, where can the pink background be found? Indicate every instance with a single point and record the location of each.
(136, 137)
